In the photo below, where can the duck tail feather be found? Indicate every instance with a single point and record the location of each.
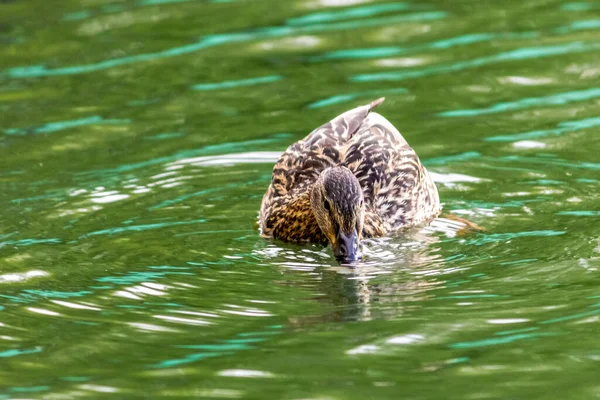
(376, 103)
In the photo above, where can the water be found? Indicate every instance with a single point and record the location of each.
(137, 139)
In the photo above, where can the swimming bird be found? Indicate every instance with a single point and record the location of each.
(353, 177)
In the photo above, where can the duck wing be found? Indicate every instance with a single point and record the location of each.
(302, 163)
(398, 189)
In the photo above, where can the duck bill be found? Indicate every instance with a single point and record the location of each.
(345, 248)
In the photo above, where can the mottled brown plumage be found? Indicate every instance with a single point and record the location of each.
(396, 189)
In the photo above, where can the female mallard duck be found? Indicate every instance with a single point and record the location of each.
(353, 177)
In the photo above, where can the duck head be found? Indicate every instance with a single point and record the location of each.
(337, 203)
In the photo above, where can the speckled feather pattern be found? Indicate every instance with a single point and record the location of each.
(398, 191)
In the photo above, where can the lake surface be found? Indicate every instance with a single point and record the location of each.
(137, 138)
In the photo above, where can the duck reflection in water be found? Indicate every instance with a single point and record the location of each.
(392, 274)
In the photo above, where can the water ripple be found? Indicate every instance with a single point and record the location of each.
(61, 125)
(513, 55)
(238, 83)
(378, 52)
(563, 127)
(217, 40)
(554, 99)
(18, 352)
(343, 98)
(355, 12)
(139, 228)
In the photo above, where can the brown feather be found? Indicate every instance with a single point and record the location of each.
(398, 191)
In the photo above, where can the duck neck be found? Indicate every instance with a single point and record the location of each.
(293, 219)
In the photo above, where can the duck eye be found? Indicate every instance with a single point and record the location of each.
(327, 205)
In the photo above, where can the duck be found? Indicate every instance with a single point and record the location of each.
(354, 177)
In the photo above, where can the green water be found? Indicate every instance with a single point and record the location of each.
(137, 138)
